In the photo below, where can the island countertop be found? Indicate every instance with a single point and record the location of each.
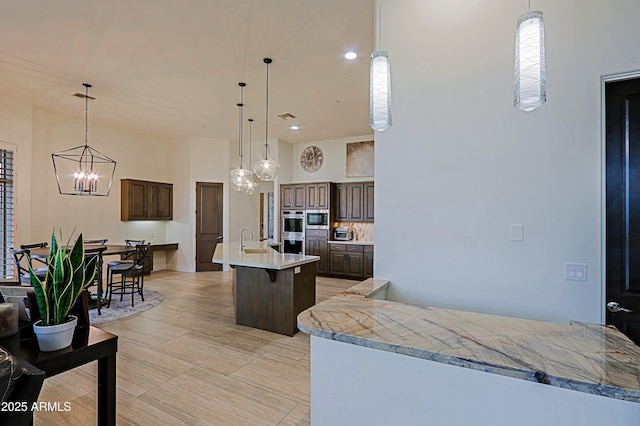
(585, 357)
(230, 253)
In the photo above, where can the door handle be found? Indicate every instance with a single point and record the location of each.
(615, 307)
(220, 238)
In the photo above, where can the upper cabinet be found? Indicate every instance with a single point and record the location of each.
(144, 200)
(318, 195)
(292, 197)
(354, 202)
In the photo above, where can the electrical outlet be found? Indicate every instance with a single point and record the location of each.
(575, 272)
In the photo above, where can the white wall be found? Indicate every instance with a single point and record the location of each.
(334, 166)
(460, 164)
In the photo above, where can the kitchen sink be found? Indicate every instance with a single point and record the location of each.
(256, 250)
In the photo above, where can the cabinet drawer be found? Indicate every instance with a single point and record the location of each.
(318, 233)
(338, 247)
(354, 248)
(368, 249)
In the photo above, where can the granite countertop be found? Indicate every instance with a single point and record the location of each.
(585, 357)
(358, 242)
(229, 253)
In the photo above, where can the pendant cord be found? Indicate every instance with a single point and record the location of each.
(266, 121)
(250, 135)
(86, 116)
(377, 26)
(529, 5)
(240, 120)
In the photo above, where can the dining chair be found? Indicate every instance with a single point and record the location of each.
(134, 271)
(99, 242)
(126, 257)
(22, 259)
(90, 253)
(42, 260)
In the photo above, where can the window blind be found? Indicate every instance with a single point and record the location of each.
(6, 213)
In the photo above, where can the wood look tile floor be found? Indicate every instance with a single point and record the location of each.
(186, 362)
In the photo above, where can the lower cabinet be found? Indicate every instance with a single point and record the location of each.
(317, 245)
(351, 260)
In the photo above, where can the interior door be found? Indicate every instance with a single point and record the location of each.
(622, 99)
(208, 224)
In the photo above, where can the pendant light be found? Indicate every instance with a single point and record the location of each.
(83, 170)
(252, 186)
(529, 88)
(239, 178)
(379, 83)
(266, 169)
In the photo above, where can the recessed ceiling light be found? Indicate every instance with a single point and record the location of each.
(294, 127)
(350, 56)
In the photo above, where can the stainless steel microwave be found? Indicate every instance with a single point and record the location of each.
(317, 219)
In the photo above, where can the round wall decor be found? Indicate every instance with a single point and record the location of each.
(311, 159)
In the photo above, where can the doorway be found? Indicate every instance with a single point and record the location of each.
(622, 187)
(208, 224)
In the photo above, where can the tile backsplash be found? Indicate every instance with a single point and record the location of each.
(363, 231)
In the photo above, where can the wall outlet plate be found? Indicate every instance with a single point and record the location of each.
(575, 272)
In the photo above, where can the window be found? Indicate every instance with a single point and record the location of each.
(6, 212)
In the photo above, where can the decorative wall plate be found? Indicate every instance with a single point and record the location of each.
(311, 159)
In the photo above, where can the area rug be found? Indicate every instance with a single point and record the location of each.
(119, 310)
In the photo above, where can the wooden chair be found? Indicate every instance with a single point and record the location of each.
(42, 260)
(89, 253)
(134, 271)
(22, 259)
(99, 242)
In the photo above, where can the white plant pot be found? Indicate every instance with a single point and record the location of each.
(55, 337)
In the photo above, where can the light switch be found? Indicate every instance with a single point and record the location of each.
(575, 272)
(516, 232)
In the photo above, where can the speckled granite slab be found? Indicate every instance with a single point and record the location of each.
(584, 357)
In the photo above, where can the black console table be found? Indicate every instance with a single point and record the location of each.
(88, 345)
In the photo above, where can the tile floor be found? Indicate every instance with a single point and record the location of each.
(186, 362)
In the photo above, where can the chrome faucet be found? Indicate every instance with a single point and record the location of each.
(246, 228)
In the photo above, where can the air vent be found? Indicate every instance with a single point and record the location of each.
(82, 96)
(286, 115)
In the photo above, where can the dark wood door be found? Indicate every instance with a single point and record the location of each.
(355, 201)
(341, 202)
(623, 206)
(208, 224)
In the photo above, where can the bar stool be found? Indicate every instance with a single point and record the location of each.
(126, 271)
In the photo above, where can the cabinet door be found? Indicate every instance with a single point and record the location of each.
(153, 191)
(341, 202)
(368, 264)
(355, 265)
(369, 198)
(138, 194)
(323, 252)
(338, 263)
(286, 197)
(299, 197)
(355, 202)
(312, 196)
(165, 201)
(323, 196)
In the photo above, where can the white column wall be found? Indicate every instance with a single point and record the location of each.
(460, 164)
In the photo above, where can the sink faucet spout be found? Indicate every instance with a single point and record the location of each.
(246, 228)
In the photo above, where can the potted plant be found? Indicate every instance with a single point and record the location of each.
(67, 276)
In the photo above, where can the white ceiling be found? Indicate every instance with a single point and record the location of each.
(170, 68)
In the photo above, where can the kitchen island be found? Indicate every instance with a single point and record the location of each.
(385, 362)
(270, 288)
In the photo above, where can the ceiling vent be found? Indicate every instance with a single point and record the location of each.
(286, 115)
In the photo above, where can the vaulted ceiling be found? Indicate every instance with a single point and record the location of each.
(170, 68)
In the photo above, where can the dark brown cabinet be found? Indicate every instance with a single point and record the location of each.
(317, 245)
(368, 262)
(318, 195)
(292, 196)
(354, 202)
(349, 260)
(144, 200)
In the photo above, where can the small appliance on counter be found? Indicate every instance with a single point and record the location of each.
(343, 233)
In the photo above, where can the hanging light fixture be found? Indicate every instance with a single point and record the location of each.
(379, 83)
(529, 88)
(252, 186)
(266, 169)
(83, 167)
(239, 178)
